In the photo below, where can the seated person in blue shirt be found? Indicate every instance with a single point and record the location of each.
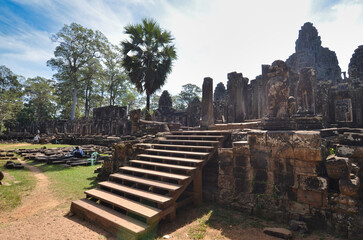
(77, 152)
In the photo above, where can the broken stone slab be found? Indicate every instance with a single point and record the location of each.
(12, 165)
(349, 187)
(278, 232)
(298, 226)
(338, 167)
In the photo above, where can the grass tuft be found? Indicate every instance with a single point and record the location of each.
(200, 229)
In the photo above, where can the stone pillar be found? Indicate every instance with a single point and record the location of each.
(207, 103)
(236, 104)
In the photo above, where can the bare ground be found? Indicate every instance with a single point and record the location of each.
(42, 216)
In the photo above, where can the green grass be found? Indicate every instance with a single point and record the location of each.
(31, 146)
(200, 229)
(69, 183)
(21, 181)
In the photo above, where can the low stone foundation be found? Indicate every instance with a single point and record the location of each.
(285, 175)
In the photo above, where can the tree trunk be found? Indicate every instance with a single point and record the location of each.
(73, 114)
(1, 127)
(148, 102)
(86, 105)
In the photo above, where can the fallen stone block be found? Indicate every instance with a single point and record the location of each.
(278, 232)
(298, 226)
(338, 167)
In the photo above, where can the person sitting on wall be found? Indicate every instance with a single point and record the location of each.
(77, 152)
(36, 139)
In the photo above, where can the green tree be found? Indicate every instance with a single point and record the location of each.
(77, 47)
(40, 100)
(148, 56)
(89, 74)
(10, 95)
(113, 74)
(188, 93)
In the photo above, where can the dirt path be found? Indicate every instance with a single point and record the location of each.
(42, 216)
(39, 200)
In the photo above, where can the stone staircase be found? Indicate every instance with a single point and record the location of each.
(163, 178)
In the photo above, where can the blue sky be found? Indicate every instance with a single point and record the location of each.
(213, 37)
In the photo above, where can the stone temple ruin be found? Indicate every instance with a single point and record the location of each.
(287, 145)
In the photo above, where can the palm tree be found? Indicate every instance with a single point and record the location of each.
(148, 56)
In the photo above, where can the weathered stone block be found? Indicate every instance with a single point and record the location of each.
(349, 187)
(338, 167)
(242, 160)
(299, 208)
(225, 161)
(345, 204)
(245, 201)
(313, 198)
(241, 172)
(279, 138)
(306, 139)
(260, 176)
(225, 196)
(239, 136)
(225, 155)
(259, 159)
(282, 152)
(257, 137)
(242, 185)
(226, 182)
(241, 147)
(345, 151)
(298, 226)
(312, 183)
(305, 168)
(278, 232)
(283, 182)
(308, 154)
(355, 139)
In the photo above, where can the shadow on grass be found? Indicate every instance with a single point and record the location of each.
(227, 221)
(93, 183)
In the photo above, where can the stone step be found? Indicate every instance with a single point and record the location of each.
(157, 198)
(147, 182)
(147, 212)
(163, 165)
(172, 146)
(117, 223)
(172, 152)
(169, 158)
(191, 137)
(197, 132)
(156, 173)
(189, 142)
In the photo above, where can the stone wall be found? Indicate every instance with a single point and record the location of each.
(110, 120)
(284, 175)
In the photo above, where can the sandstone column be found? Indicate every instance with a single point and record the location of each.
(236, 99)
(207, 103)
